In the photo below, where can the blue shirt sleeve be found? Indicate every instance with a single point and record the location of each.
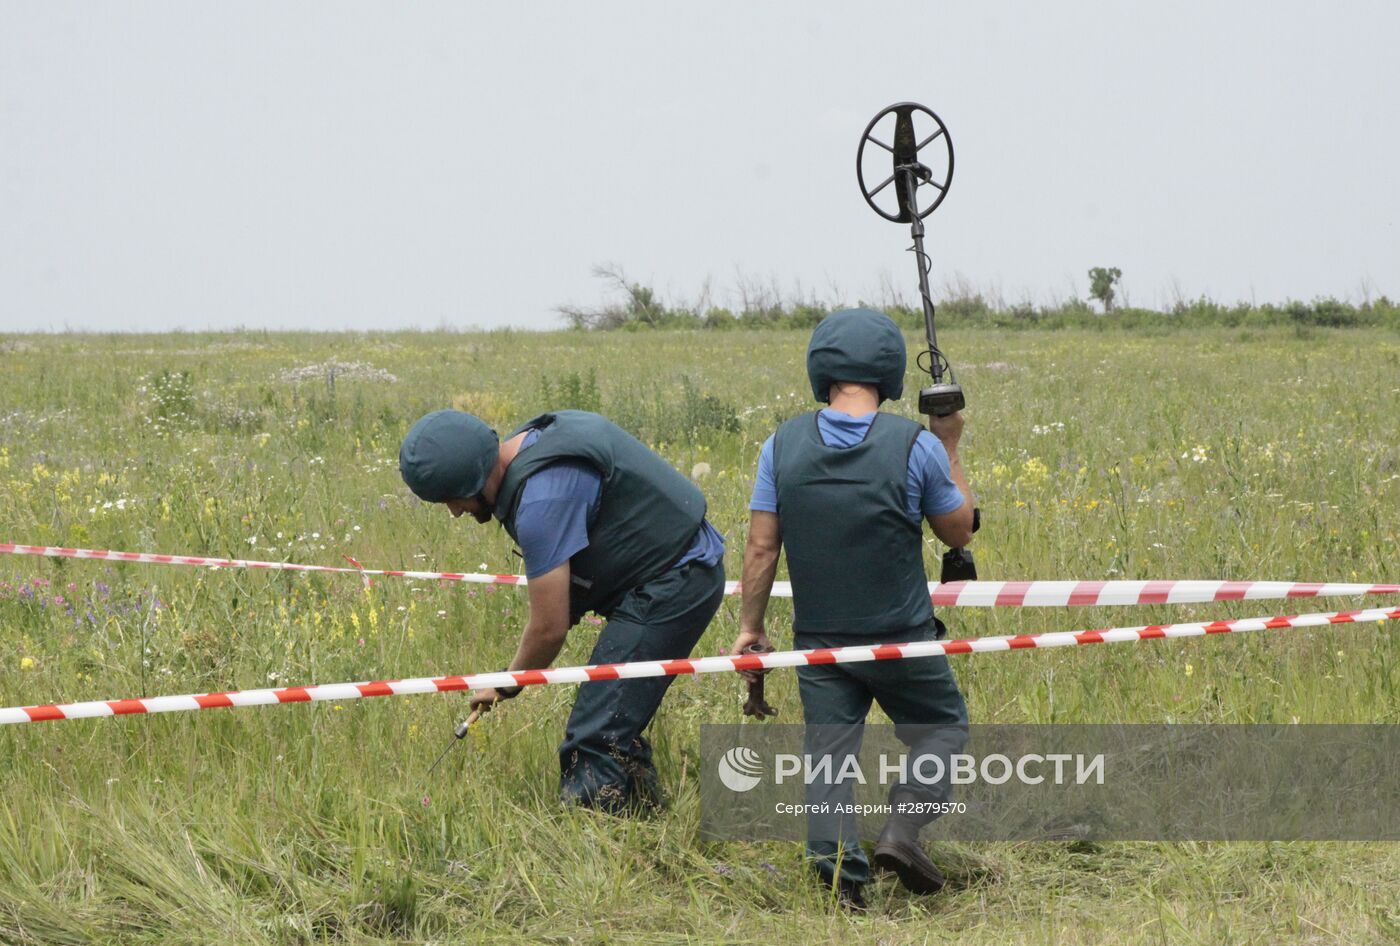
(556, 505)
(765, 487)
(932, 491)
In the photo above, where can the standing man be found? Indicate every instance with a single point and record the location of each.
(605, 525)
(845, 491)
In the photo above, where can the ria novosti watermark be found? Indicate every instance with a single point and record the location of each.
(741, 769)
(1099, 782)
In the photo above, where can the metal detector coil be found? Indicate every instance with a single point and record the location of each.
(913, 168)
(909, 174)
(904, 151)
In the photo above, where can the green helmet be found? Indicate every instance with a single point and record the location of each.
(447, 455)
(857, 345)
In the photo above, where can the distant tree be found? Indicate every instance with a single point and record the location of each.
(1101, 283)
(640, 306)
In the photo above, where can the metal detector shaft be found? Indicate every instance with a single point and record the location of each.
(916, 230)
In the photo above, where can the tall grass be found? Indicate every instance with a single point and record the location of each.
(1218, 453)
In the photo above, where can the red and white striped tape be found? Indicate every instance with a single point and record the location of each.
(958, 594)
(150, 558)
(665, 668)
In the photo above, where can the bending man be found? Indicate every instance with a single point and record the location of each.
(604, 525)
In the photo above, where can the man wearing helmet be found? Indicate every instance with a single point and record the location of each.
(844, 491)
(605, 525)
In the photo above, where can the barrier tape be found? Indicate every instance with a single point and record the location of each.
(665, 668)
(958, 594)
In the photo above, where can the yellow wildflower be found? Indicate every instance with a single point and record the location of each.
(1034, 471)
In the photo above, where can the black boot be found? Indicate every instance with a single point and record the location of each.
(899, 850)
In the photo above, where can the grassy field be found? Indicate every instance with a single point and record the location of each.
(1223, 454)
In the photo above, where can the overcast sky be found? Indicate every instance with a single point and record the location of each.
(350, 165)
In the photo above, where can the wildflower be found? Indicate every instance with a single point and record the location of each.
(1190, 670)
(26, 663)
(1034, 470)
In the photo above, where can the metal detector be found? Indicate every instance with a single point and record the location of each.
(908, 174)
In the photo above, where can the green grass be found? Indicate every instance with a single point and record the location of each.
(306, 824)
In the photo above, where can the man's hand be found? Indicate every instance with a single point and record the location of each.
(743, 642)
(485, 699)
(757, 705)
(947, 429)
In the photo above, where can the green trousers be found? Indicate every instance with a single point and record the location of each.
(605, 761)
(920, 697)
